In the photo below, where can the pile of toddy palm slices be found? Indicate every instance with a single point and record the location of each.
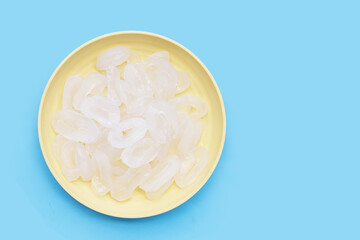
(124, 127)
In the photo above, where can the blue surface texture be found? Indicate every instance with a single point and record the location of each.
(289, 73)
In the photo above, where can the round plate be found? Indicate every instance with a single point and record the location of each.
(82, 61)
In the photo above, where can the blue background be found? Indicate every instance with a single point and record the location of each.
(289, 75)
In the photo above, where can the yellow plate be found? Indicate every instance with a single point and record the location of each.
(82, 61)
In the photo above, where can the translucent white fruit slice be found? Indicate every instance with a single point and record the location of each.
(163, 151)
(93, 84)
(117, 171)
(124, 186)
(101, 109)
(137, 90)
(127, 132)
(136, 76)
(124, 114)
(163, 55)
(113, 77)
(164, 170)
(159, 65)
(134, 58)
(162, 122)
(75, 126)
(137, 106)
(114, 154)
(164, 77)
(140, 153)
(86, 165)
(156, 61)
(192, 166)
(183, 82)
(112, 57)
(103, 145)
(94, 147)
(160, 191)
(58, 142)
(101, 183)
(190, 133)
(72, 85)
(164, 85)
(121, 165)
(192, 105)
(68, 165)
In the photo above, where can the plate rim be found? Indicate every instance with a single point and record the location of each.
(88, 204)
